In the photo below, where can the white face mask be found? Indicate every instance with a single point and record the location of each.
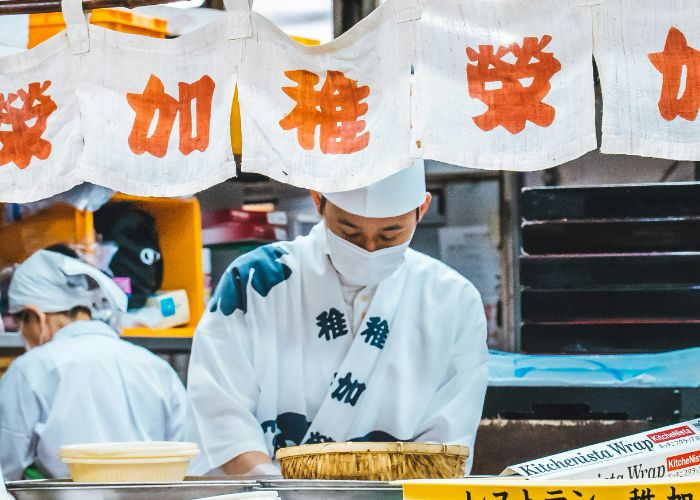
(359, 267)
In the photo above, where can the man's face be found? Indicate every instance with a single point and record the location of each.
(372, 234)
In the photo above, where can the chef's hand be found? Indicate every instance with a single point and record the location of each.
(264, 470)
(244, 464)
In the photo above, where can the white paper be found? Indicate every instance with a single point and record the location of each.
(469, 250)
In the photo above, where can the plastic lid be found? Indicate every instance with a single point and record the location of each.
(133, 449)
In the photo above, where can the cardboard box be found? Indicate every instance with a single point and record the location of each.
(668, 452)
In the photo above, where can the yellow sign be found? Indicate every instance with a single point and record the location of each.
(521, 489)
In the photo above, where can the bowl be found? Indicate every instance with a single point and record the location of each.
(135, 462)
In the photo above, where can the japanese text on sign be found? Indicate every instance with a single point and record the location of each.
(513, 92)
(335, 110)
(155, 102)
(679, 96)
(22, 127)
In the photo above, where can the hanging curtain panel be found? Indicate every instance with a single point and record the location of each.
(648, 55)
(155, 113)
(40, 136)
(332, 117)
(504, 84)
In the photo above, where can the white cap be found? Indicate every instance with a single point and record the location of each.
(396, 195)
(55, 283)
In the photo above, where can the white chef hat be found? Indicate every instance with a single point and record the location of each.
(396, 195)
(55, 283)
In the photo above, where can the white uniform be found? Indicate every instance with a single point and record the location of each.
(85, 385)
(275, 361)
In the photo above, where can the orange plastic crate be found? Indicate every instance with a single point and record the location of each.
(178, 222)
(44, 26)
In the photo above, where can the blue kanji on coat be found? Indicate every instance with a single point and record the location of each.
(332, 324)
(318, 438)
(289, 429)
(348, 390)
(267, 272)
(376, 333)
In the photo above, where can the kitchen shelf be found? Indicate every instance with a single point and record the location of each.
(12, 344)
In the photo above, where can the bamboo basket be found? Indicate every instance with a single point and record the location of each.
(373, 461)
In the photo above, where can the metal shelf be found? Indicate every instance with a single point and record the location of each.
(12, 343)
(163, 345)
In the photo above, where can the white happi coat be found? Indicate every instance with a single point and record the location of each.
(275, 362)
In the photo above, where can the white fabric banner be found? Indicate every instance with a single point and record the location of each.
(504, 84)
(333, 117)
(648, 55)
(14, 34)
(490, 84)
(40, 140)
(156, 112)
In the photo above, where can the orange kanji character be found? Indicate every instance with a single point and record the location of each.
(154, 99)
(670, 63)
(335, 109)
(21, 141)
(523, 84)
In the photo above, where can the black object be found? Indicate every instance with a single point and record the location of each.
(63, 249)
(138, 256)
(610, 269)
(620, 337)
(618, 202)
(661, 405)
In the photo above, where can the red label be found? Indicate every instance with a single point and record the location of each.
(671, 434)
(683, 461)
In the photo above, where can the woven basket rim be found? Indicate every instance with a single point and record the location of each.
(358, 448)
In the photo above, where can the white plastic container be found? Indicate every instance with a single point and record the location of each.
(138, 462)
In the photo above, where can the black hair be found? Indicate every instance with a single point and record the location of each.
(63, 249)
(73, 313)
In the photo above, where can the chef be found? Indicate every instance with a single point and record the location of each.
(342, 335)
(79, 382)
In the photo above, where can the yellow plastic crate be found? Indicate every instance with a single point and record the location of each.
(179, 225)
(58, 224)
(178, 221)
(44, 26)
(5, 362)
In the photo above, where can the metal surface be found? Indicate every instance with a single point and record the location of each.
(163, 345)
(610, 269)
(624, 201)
(511, 184)
(11, 340)
(37, 6)
(12, 344)
(331, 490)
(587, 403)
(66, 490)
(347, 13)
